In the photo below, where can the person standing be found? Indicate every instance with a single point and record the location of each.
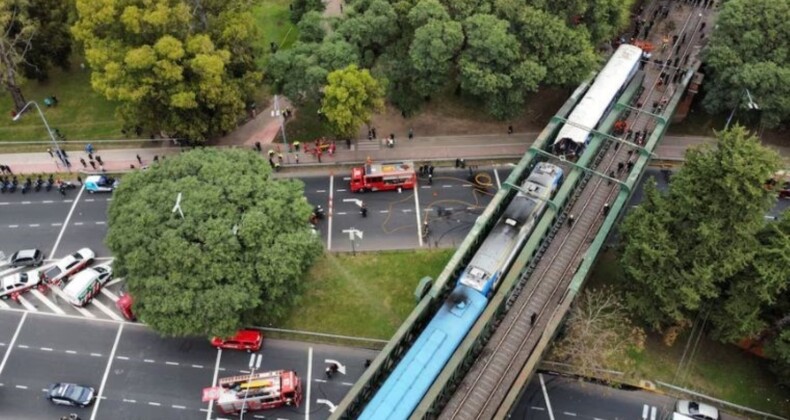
(98, 159)
(139, 160)
(570, 220)
(50, 152)
(93, 164)
(363, 209)
(510, 129)
(84, 164)
(411, 133)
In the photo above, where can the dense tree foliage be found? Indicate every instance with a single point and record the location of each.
(241, 247)
(181, 67)
(311, 27)
(598, 334)
(686, 248)
(301, 7)
(749, 50)
(495, 51)
(35, 34)
(350, 98)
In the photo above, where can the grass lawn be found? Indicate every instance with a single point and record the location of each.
(80, 114)
(719, 370)
(367, 295)
(274, 25)
(306, 125)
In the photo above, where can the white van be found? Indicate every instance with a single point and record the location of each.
(86, 284)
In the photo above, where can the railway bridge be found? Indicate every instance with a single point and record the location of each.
(490, 368)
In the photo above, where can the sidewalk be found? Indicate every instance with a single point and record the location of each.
(440, 148)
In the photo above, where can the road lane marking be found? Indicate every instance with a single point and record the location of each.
(47, 201)
(214, 383)
(384, 211)
(23, 346)
(26, 202)
(46, 349)
(71, 351)
(21, 386)
(341, 213)
(496, 176)
(426, 187)
(13, 226)
(447, 186)
(96, 355)
(57, 224)
(4, 305)
(546, 396)
(122, 358)
(323, 381)
(34, 225)
(107, 369)
(341, 190)
(29, 306)
(172, 363)
(197, 366)
(155, 404)
(417, 213)
(331, 210)
(101, 223)
(347, 383)
(148, 360)
(106, 310)
(129, 401)
(569, 414)
(60, 236)
(537, 408)
(180, 407)
(89, 200)
(13, 341)
(51, 305)
(63, 296)
(406, 210)
(109, 294)
(78, 223)
(320, 191)
(309, 380)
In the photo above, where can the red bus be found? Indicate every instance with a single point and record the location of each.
(383, 177)
(258, 391)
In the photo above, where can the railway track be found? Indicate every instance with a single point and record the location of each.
(485, 386)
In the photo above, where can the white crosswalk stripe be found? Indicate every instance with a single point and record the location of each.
(29, 306)
(83, 311)
(40, 296)
(109, 294)
(4, 305)
(106, 310)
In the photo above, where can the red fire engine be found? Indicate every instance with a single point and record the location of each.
(258, 391)
(383, 177)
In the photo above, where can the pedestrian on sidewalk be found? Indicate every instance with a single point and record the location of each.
(570, 220)
(98, 159)
(430, 169)
(611, 175)
(84, 165)
(79, 179)
(430, 179)
(93, 164)
(50, 152)
(606, 209)
(620, 167)
(510, 129)
(348, 144)
(271, 162)
(332, 147)
(271, 153)
(370, 135)
(156, 158)
(258, 146)
(65, 155)
(296, 158)
(411, 133)
(280, 158)
(318, 155)
(139, 160)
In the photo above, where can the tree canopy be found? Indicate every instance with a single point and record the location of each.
(682, 250)
(184, 69)
(494, 51)
(350, 98)
(749, 50)
(240, 248)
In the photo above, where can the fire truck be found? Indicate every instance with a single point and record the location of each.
(257, 391)
(383, 177)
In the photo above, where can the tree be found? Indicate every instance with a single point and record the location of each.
(18, 31)
(51, 43)
(311, 27)
(680, 250)
(370, 30)
(240, 247)
(188, 75)
(432, 52)
(301, 7)
(748, 51)
(603, 19)
(350, 98)
(493, 69)
(598, 334)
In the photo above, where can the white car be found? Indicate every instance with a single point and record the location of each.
(697, 410)
(18, 282)
(86, 284)
(69, 265)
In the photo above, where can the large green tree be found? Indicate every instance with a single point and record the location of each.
(749, 50)
(680, 250)
(176, 67)
(351, 96)
(51, 43)
(239, 250)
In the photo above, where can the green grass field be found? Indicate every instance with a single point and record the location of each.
(367, 295)
(80, 114)
(272, 17)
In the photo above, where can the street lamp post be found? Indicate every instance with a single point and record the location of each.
(55, 145)
(276, 112)
(255, 363)
(752, 105)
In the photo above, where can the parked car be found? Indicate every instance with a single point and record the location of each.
(18, 283)
(64, 393)
(100, 183)
(69, 265)
(86, 284)
(26, 258)
(697, 410)
(250, 340)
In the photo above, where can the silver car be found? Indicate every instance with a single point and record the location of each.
(697, 410)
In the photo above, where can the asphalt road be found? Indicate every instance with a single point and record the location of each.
(142, 376)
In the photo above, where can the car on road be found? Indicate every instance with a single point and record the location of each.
(69, 265)
(86, 284)
(18, 283)
(65, 393)
(26, 258)
(697, 410)
(249, 340)
(100, 183)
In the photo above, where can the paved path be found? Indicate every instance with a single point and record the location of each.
(440, 148)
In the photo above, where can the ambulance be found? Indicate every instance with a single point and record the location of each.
(86, 284)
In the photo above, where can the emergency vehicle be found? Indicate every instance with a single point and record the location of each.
(258, 391)
(383, 177)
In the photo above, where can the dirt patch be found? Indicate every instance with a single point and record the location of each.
(452, 115)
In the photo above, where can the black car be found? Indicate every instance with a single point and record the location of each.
(27, 258)
(63, 393)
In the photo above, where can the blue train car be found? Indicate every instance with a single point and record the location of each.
(405, 387)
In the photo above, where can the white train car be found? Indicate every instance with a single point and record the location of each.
(598, 100)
